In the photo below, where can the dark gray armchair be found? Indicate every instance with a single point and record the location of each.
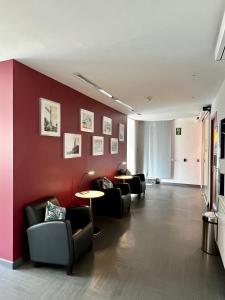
(137, 183)
(116, 201)
(58, 242)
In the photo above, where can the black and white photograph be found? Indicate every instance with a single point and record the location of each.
(86, 120)
(50, 118)
(114, 145)
(97, 145)
(107, 125)
(121, 132)
(72, 145)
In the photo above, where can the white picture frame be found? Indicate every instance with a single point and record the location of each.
(50, 118)
(114, 147)
(72, 145)
(97, 145)
(106, 125)
(86, 120)
(121, 132)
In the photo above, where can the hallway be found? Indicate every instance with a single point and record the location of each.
(155, 253)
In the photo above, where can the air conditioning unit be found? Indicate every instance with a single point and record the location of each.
(220, 46)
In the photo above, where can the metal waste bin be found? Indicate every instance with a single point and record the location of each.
(209, 233)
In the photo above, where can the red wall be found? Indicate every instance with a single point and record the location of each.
(39, 167)
(6, 160)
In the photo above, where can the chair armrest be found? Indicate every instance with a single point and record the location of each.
(124, 187)
(51, 242)
(141, 176)
(79, 216)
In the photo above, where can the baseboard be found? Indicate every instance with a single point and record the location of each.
(11, 264)
(181, 184)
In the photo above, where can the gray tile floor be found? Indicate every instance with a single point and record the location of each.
(152, 254)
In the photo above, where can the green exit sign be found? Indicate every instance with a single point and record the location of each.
(178, 131)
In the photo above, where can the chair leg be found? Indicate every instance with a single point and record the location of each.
(69, 270)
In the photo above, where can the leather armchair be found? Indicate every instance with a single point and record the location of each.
(116, 201)
(58, 242)
(137, 183)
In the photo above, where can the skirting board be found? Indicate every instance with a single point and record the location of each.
(181, 184)
(11, 264)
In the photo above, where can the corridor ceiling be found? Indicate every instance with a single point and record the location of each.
(132, 49)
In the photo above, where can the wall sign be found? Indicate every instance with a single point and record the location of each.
(178, 131)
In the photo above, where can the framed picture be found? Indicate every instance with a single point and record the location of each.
(121, 132)
(106, 125)
(86, 120)
(72, 145)
(114, 146)
(50, 118)
(97, 145)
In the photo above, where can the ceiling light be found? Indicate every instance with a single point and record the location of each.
(195, 75)
(105, 93)
(86, 80)
(124, 104)
(149, 98)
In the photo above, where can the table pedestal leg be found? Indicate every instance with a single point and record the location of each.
(96, 229)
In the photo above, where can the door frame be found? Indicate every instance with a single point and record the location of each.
(212, 178)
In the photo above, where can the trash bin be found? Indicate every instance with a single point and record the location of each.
(209, 233)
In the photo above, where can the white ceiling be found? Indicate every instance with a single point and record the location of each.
(131, 48)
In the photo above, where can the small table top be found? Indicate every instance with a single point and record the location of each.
(89, 194)
(123, 177)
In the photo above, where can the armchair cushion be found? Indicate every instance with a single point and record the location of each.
(54, 212)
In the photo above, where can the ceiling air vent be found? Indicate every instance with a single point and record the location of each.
(220, 46)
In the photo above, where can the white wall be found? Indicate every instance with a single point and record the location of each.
(187, 145)
(131, 145)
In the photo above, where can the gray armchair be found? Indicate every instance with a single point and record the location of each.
(116, 201)
(58, 242)
(137, 183)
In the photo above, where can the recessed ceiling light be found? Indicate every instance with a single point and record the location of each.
(88, 81)
(124, 104)
(105, 93)
(195, 75)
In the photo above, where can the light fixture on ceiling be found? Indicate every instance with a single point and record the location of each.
(86, 80)
(149, 98)
(105, 93)
(195, 75)
(124, 104)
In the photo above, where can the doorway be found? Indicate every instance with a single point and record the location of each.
(213, 162)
